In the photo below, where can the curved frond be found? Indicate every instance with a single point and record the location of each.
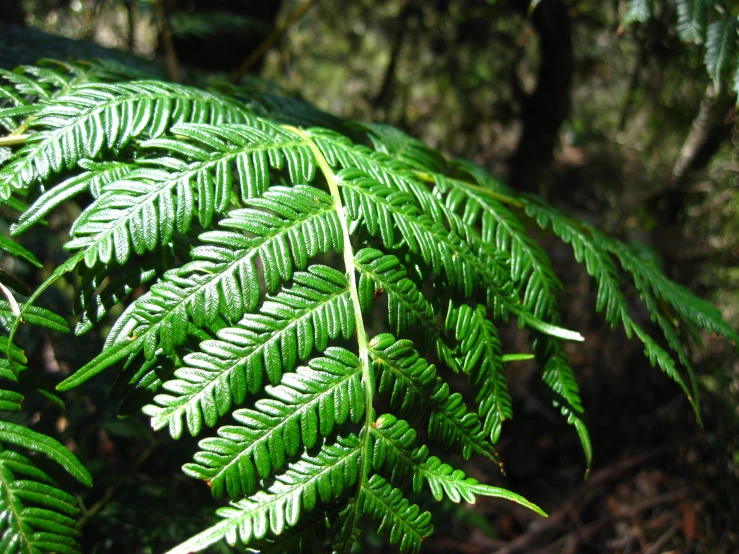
(307, 404)
(307, 483)
(97, 117)
(402, 521)
(288, 327)
(35, 516)
(600, 265)
(238, 261)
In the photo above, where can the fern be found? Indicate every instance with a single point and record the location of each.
(692, 18)
(709, 22)
(300, 271)
(35, 515)
(721, 47)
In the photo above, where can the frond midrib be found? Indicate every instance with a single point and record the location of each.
(363, 352)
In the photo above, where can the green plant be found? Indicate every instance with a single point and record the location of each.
(710, 22)
(267, 233)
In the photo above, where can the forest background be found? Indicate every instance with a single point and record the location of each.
(605, 110)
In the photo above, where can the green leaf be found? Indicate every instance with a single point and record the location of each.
(15, 249)
(692, 18)
(26, 438)
(38, 517)
(308, 482)
(404, 522)
(637, 11)
(288, 328)
(309, 403)
(721, 48)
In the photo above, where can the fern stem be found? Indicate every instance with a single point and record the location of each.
(362, 345)
(13, 140)
(503, 198)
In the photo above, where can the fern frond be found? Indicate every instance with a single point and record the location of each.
(404, 148)
(307, 404)
(410, 315)
(530, 267)
(99, 117)
(35, 516)
(288, 327)
(480, 357)
(33, 315)
(600, 265)
(92, 180)
(265, 248)
(412, 387)
(404, 522)
(222, 277)
(310, 481)
(692, 19)
(637, 11)
(721, 48)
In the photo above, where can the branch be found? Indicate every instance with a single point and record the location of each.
(382, 99)
(173, 69)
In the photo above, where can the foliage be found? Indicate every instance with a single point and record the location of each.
(268, 236)
(709, 22)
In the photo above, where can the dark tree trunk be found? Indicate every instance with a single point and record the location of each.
(384, 96)
(11, 11)
(544, 110)
(711, 127)
(227, 50)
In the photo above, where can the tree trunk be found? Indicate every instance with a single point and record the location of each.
(711, 127)
(226, 50)
(544, 111)
(11, 11)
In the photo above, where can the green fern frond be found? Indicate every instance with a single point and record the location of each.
(267, 252)
(412, 387)
(288, 327)
(98, 117)
(309, 403)
(692, 19)
(721, 48)
(92, 180)
(33, 315)
(637, 11)
(410, 315)
(404, 522)
(479, 356)
(610, 298)
(35, 516)
(309, 482)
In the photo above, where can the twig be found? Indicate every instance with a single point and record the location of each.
(576, 503)
(296, 14)
(572, 540)
(173, 68)
(663, 540)
(13, 140)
